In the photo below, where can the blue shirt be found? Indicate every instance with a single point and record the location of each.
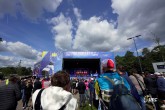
(105, 84)
(161, 83)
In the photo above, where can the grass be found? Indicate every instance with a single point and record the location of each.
(87, 107)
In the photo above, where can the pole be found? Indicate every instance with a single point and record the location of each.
(137, 55)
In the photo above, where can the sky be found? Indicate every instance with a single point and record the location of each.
(29, 27)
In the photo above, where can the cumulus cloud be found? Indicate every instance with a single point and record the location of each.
(32, 9)
(134, 18)
(140, 17)
(62, 27)
(77, 13)
(21, 49)
(14, 61)
(97, 35)
(6, 60)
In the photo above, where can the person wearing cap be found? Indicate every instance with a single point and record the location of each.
(103, 87)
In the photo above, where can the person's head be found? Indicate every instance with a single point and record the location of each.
(133, 72)
(1, 77)
(146, 73)
(13, 79)
(61, 79)
(107, 65)
(121, 69)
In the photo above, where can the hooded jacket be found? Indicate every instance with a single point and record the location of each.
(53, 98)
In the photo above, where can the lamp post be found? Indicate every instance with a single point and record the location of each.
(136, 50)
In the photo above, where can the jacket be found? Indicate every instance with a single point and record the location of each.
(9, 95)
(106, 86)
(53, 98)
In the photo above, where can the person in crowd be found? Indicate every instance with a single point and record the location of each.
(57, 96)
(138, 81)
(150, 81)
(1, 78)
(86, 90)
(122, 72)
(45, 82)
(81, 89)
(161, 88)
(103, 87)
(27, 93)
(37, 84)
(73, 85)
(23, 87)
(9, 94)
(91, 91)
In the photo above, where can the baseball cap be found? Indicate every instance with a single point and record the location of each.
(108, 63)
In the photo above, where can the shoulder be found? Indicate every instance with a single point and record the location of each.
(72, 104)
(34, 96)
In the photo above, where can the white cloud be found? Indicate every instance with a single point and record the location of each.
(62, 27)
(21, 49)
(14, 61)
(98, 35)
(140, 17)
(32, 9)
(6, 60)
(134, 18)
(77, 13)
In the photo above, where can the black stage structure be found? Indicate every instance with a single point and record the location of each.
(81, 66)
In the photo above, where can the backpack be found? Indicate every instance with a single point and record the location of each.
(37, 104)
(121, 98)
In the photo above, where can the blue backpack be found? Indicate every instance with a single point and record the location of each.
(121, 98)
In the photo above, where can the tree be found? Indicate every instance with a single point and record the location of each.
(145, 51)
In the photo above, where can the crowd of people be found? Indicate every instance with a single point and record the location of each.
(111, 90)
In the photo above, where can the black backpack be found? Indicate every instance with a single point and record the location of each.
(37, 104)
(121, 98)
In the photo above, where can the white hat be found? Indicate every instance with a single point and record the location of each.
(157, 73)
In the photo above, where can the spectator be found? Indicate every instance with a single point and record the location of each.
(9, 94)
(91, 91)
(81, 89)
(1, 79)
(121, 71)
(45, 82)
(37, 84)
(73, 85)
(150, 81)
(161, 88)
(57, 96)
(103, 87)
(138, 81)
(86, 90)
(27, 93)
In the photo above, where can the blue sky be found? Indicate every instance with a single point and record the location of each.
(30, 27)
